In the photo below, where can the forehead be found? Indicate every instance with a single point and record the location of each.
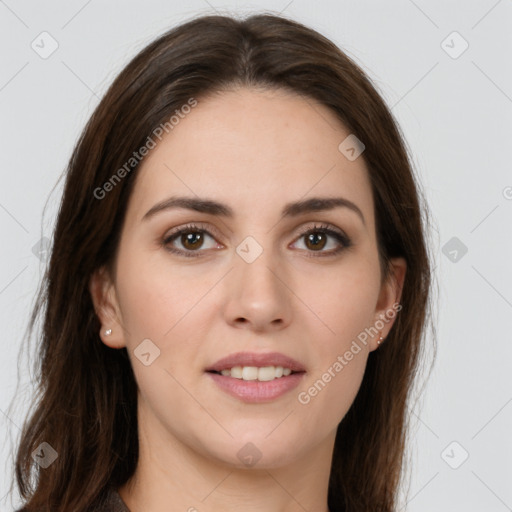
(253, 149)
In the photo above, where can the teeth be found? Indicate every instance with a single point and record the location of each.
(265, 373)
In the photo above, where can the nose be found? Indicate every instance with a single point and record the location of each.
(257, 296)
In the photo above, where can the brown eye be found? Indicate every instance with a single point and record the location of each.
(316, 241)
(192, 240)
(323, 241)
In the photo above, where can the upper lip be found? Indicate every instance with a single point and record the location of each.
(255, 359)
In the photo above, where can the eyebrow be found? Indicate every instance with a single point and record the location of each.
(211, 207)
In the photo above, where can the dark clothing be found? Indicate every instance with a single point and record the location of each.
(113, 503)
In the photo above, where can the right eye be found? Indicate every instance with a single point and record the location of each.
(191, 237)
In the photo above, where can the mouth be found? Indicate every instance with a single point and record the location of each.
(256, 378)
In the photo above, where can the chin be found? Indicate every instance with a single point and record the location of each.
(255, 451)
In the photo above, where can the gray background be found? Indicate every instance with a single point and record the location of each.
(455, 110)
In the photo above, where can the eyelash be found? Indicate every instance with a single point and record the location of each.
(343, 239)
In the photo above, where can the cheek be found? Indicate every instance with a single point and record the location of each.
(343, 298)
(158, 302)
(155, 295)
(167, 304)
(328, 395)
(345, 302)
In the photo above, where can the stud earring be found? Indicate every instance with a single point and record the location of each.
(381, 339)
(108, 332)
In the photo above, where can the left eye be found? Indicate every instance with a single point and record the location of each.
(316, 240)
(192, 238)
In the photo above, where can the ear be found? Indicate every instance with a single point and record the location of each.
(106, 305)
(388, 304)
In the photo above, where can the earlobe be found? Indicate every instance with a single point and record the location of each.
(105, 303)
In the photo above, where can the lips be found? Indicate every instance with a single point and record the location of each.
(256, 392)
(258, 360)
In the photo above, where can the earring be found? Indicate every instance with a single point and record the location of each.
(108, 332)
(381, 339)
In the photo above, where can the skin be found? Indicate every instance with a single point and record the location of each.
(254, 150)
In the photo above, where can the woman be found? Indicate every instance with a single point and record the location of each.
(238, 287)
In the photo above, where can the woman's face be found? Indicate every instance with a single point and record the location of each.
(244, 277)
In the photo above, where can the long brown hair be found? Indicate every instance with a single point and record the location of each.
(86, 408)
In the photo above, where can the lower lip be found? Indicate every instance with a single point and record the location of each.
(255, 391)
